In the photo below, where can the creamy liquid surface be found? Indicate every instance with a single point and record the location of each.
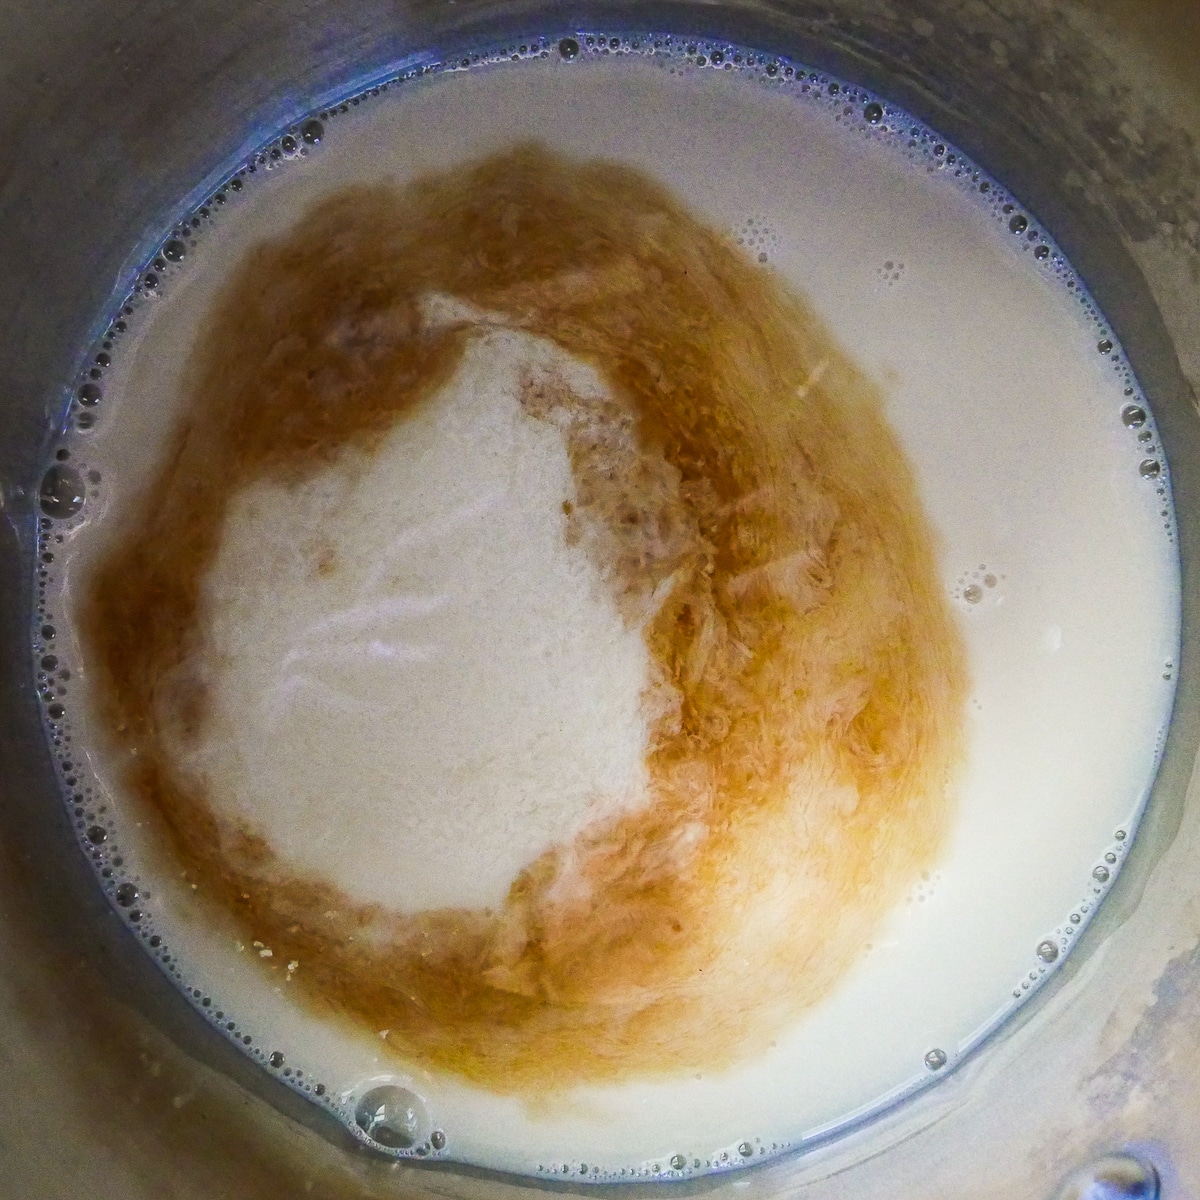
(1052, 550)
(458, 692)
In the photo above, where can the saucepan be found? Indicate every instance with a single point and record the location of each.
(1089, 110)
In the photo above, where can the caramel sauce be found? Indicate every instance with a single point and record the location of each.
(743, 496)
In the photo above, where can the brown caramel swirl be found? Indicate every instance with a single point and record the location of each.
(742, 495)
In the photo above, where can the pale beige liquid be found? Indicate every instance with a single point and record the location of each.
(1041, 604)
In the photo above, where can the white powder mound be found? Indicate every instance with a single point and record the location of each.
(420, 686)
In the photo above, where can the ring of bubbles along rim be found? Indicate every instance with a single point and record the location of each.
(68, 484)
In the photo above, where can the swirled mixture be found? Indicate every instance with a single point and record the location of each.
(776, 679)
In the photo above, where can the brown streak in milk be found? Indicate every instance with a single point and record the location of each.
(743, 496)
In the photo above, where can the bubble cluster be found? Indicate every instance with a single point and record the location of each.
(1050, 952)
(975, 586)
(924, 888)
(758, 238)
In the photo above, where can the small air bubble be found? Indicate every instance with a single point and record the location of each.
(62, 492)
(97, 835)
(873, 113)
(935, 1060)
(288, 144)
(174, 250)
(1100, 874)
(1117, 1175)
(1133, 415)
(392, 1116)
(1019, 223)
(1104, 346)
(90, 394)
(1042, 252)
(127, 895)
(437, 1139)
(678, 1162)
(276, 1059)
(1047, 951)
(745, 1150)
(312, 132)
(1148, 469)
(973, 594)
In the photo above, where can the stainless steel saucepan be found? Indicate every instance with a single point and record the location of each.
(1089, 110)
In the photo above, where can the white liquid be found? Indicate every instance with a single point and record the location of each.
(456, 586)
